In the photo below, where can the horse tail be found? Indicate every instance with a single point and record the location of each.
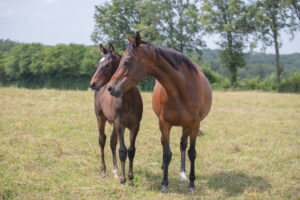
(200, 133)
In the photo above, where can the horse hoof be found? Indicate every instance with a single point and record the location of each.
(131, 183)
(192, 186)
(164, 189)
(116, 174)
(182, 176)
(103, 175)
(123, 181)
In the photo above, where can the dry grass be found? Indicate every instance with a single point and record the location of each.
(49, 149)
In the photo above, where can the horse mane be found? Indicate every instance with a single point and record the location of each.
(173, 57)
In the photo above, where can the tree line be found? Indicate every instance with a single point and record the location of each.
(177, 24)
(61, 66)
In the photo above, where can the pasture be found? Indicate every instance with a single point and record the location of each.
(49, 149)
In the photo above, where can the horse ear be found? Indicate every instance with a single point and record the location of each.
(111, 49)
(103, 50)
(130, 39)
(137, 39)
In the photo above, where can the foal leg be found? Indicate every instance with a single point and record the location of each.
(122, 150)
(192, 156)
(183, 145)
(131, 152)
(102, 140)
(167, 154)
(113, 145)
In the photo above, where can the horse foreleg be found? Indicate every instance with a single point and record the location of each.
(102, 140)
(167, 154)
(113, 145)
(122, 150)
(131, 152)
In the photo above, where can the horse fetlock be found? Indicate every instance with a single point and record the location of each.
(192, 178)
(183, 176)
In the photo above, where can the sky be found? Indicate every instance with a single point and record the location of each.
(52, 22)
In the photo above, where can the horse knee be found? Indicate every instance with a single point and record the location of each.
(167, 156)
(102, 141)
(113, 142)
(192, 154)
(123, 154)
(131, 152)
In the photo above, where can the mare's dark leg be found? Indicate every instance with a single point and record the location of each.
(102, 140)
(131, 151)
(122, 150)
(113, 145)
(183, 145)
(167, 154)
(192, 155)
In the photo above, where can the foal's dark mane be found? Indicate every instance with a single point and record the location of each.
(174, 58)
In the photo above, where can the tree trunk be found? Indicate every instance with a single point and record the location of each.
(277, 58)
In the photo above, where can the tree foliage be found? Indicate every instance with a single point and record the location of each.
(272, 17)
(229, 20)
(172, 23)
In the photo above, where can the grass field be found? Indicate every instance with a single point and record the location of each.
(49, 149)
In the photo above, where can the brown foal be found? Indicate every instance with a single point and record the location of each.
(123, 112)
(182, 95)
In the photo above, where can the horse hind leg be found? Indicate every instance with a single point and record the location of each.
(192, 156)
(183, 145)
(113, 145)
(131, 152)
(102, 140)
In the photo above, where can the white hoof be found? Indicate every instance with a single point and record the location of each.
(116, 173)
(182, 176)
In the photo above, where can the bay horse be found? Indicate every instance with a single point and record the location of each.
(123, 112)
(182, 95)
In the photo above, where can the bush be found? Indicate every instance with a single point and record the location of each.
(291, 84)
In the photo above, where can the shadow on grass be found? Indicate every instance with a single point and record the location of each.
(233, 183)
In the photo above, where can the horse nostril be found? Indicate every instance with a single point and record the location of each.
(93, 85)
(109, 88)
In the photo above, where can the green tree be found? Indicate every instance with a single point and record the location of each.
(272, 17)
(228, 19)
(113, 21)
(7, 45)
(180, 25)
(3, 57)
(149, 22)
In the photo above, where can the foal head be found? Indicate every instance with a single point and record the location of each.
(106, 67)
(132, 68)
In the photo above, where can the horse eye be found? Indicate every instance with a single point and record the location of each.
(106, 65)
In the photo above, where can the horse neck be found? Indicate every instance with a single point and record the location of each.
(116, 65)
(173, 80)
